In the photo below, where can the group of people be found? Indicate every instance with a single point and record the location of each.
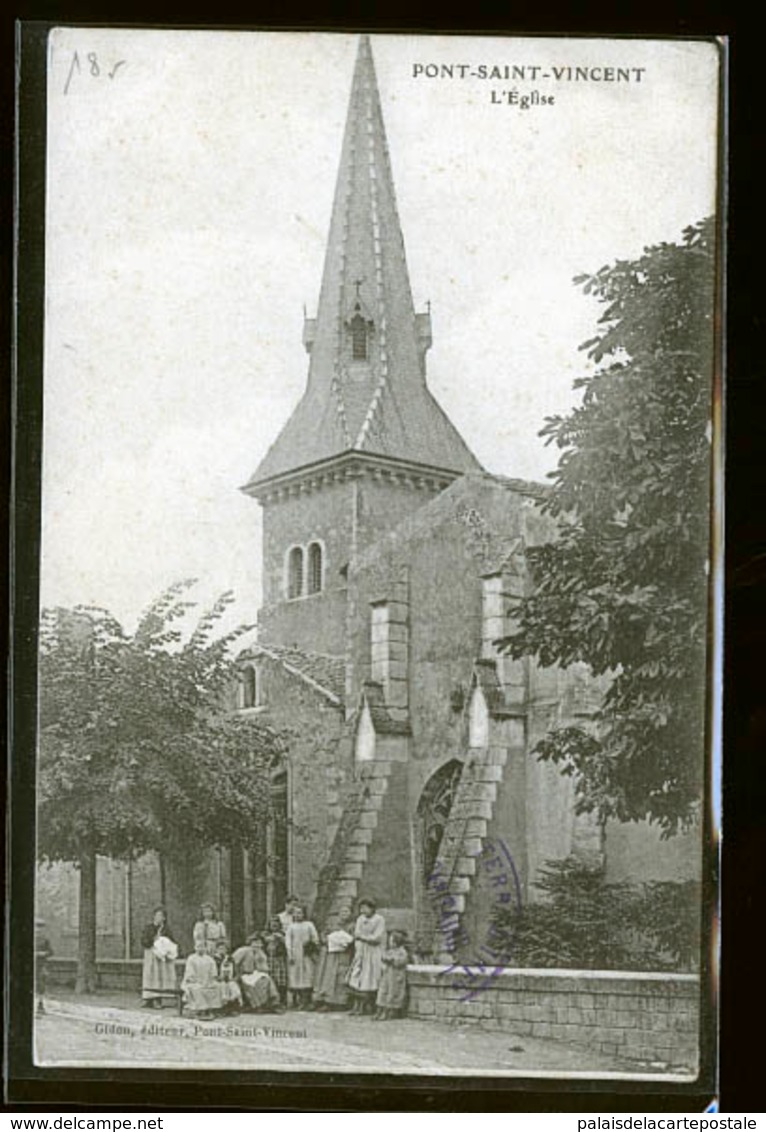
(356, 967)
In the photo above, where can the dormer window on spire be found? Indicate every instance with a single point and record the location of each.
(359, 328)
(359, 334)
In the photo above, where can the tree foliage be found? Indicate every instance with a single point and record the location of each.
(624, 585)
(580, 921)
(136, 753)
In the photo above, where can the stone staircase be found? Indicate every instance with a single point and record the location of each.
(339, 882)
(463, 841)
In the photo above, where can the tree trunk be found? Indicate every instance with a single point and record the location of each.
(86, 951)
(163, 880)
(237, 894)
(260, 879)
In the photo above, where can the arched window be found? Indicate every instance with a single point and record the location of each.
(315, 568)
(434, 810)
(250, 687)
(358, 327)
(295, 572)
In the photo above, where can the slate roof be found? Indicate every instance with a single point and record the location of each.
(381, 406)
(327, 674)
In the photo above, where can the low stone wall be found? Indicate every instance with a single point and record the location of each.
(641, 1016)
(113, 974)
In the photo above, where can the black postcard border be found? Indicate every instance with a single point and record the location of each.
(27, 1084)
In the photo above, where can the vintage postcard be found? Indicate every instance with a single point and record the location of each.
(377, 711)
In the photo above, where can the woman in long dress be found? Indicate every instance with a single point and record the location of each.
(158, 977)
(203, 994)
(259, 991)
(302, 943)
(209, 929)
(331, 982)
(367, 964)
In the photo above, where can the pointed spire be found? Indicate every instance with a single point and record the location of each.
(366, 389)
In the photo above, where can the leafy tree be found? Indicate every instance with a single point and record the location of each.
(624, 585)
(135, 751)
(580, 921)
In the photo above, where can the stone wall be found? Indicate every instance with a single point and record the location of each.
(640, 1016)
(319, 765)
(111, 974)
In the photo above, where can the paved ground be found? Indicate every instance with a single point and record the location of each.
(112, 1030)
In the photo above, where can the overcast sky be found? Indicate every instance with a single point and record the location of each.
(190, 182)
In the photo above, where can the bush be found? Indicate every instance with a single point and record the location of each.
(582, 922)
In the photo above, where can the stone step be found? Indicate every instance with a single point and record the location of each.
(478, 791)
(451, 838)
(356, 853)
(376, 768)
(361, 836)
(497, 756)
(351, 870)
(377, 786)
(472, 810)
(489, 772)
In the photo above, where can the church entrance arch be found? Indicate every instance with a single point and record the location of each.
(434, 810)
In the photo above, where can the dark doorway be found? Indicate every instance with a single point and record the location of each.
(278, 840)
(270, 852)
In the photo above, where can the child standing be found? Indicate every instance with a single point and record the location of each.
(43, 952)
(366, 967)
(276, 956)
(302, 943)
(392, 992)
(209, 928)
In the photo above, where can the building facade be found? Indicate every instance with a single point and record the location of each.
(390, 560)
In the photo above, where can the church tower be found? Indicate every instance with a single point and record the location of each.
(367, 444)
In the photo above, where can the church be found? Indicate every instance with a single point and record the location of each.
(390, 559)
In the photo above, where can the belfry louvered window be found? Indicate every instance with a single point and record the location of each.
(295, 572)
(358, 327)
(315, 568)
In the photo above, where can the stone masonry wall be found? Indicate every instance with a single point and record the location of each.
(315, 622)
(643, 1017)
(319, 765)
